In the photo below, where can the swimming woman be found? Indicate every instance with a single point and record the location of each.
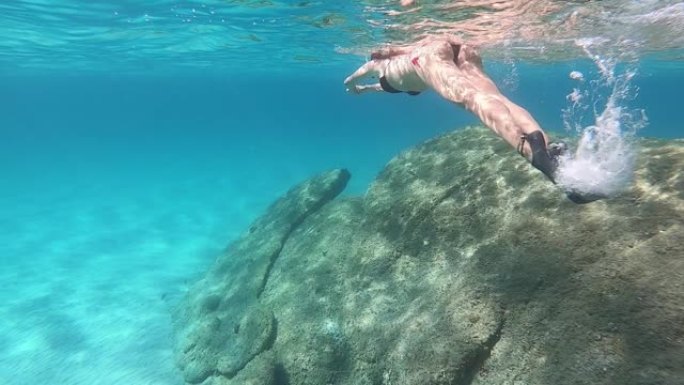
(454, 70)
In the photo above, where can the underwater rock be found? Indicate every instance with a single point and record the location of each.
(221, 325)
(262, 370)
(462, 264)
(308, 286)
(253, 334)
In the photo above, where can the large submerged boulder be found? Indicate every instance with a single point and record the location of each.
(222, 326)
(460, 265)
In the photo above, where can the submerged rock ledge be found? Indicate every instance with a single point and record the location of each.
(460, 265)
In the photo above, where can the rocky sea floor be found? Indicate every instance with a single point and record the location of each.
(461, 264)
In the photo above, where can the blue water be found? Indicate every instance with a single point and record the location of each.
(117, 191)
(118, 188)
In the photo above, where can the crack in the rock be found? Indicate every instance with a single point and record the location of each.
(475, 362)
(271, 262)
(296, 223)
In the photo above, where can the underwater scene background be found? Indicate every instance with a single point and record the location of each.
(138, 141)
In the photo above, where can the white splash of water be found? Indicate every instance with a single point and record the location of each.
(576, 75)
(604, 161)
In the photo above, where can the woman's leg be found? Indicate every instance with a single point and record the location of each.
(478, 94)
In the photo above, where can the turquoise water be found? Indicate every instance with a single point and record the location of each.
(136, 142)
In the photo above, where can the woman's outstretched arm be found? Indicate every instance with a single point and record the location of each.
(371, 68)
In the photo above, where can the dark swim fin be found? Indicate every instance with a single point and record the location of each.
(541, 159)
(546, 160)
(580, 198)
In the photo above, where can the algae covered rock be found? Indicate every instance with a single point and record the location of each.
(462, 264)
(221, 325)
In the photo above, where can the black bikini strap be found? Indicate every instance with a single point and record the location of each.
(387, 87)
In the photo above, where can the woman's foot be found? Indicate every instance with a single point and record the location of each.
(542, 159)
